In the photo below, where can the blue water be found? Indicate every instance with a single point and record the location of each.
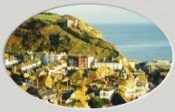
(137, 41)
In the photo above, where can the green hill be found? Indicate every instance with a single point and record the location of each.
(53, 32)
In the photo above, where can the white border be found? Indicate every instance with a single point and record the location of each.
(160, 99)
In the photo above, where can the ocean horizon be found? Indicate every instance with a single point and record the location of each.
(140, 42)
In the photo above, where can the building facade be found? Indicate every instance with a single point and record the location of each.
(112, 65)
(72, 61)
(71, 22)
(82, 61)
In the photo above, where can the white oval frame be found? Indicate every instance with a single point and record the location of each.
(123, 107)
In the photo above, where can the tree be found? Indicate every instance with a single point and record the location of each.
(67, 95)
(19, 79)
(32, 91)
(80, 98)
(77, 76)
(54, 40)
(94, 89)
(117, 99)
(48, 82)
(96, 102)
(156, 77)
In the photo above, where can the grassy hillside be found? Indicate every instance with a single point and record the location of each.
(48, 32)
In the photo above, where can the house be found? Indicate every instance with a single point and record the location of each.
(90, 61)
(107, 93)
(136, 73)
(60, 56)
(45, 58)
(137, 87)
(123, 74)
(72, 61)
(11, 60)
(52, 57)
(142, 85)
(42, 73)
(59, 69)
(111, 65)
(85, 61)
(71, 22)
(48, 95)
(30, 66)
(130, 89)
(31, 55)
(166, 64)
(163, 62)
(132, 64)
(82, 61)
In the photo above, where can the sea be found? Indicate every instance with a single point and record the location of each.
(138, 42)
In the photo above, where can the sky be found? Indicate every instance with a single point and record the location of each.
(100, 14)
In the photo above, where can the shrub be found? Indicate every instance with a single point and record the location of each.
(96, 102)
(117, 99)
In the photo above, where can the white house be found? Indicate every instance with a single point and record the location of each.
(112, 65)
(71, 23)
(136, 88)
(57, 69)
(90, 61)
(11, 61)
(45, 58)
(49, 58)
(107, 94)
(31, 54)
(30, 66)
(130, 89)
(142, 87)
(52, 57)
(60, 56)
(132, 64)
(42, 73)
